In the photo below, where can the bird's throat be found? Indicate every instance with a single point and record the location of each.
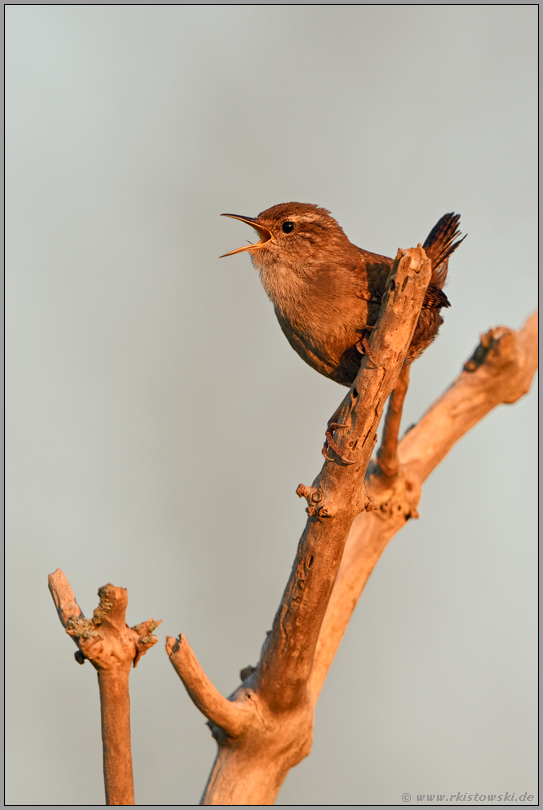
(285, 287)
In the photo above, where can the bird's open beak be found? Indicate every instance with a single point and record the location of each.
(264, 234)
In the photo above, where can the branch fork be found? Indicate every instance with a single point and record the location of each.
(112, 647)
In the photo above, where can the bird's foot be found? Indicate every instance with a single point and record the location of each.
(330, 444)
(363, 345)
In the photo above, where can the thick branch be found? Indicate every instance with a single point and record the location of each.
(337, 494)
(111, 647)
(500, 371)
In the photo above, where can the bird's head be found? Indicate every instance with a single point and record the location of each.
(295, 234)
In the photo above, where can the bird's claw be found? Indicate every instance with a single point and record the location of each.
(364, 348)
(330, 444)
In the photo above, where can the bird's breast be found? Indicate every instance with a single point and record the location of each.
(321, 310)
(322, 326)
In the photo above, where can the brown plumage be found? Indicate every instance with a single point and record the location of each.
(327, 292)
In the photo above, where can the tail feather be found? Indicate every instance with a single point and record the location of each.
(440, 244)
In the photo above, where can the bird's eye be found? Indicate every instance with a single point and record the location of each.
(287, 227)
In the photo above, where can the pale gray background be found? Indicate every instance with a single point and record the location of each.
(159, 423)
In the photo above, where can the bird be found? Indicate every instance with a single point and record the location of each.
(327, 292)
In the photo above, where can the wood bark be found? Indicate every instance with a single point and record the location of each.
(265, 727)
(112, 648)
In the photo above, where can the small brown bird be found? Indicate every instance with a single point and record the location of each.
(327, 292)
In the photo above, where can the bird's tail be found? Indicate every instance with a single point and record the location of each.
(440, 244)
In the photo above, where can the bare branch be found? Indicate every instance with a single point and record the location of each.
(231, 717)
(337, 494)
(111, 647)
(63, 597)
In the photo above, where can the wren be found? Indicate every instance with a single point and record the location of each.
(327, 292)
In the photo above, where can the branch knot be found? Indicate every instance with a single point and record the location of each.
(314, 497)
(494, 346)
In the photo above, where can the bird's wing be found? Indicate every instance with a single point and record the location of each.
(435, 297)
(377, 269)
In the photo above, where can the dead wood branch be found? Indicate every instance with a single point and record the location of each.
(111, 647)
(270, 729)
(232, 718)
